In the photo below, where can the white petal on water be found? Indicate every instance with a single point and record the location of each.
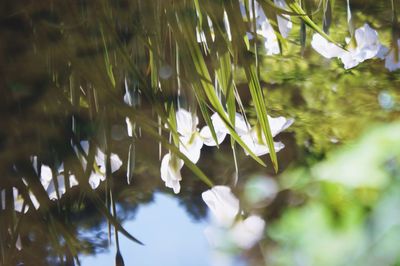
(129, 127)
(222, 203)
(257, 146)
(368, 43)
(34, 200)
(392, 62)
(349, 60)
(284, 22)
(271, 43)
(51, 190)
(383, 52)
(85, 146)
(115, 162)
(324, 47)
(368, 46)
(220, 130)
(46, 176)
(94, 180)
(241, 126)
(18, 201)
(279, 124)
(208, 140)
(171, 172)
(72, 181)
(248, 232)
(218, 123)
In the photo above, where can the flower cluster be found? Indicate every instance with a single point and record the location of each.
(265, 29)
(367, 46)
(228, 229)
(98, 173)
(191, 141)
(364, 45)
(54, 182)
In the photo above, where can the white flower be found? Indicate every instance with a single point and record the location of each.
(248, 232)
(191, 146)
(383, 52)
(98, 175)
(324, 47)
(241, 126)
(95, 179)
(51, 189)
(190, 140)
(265, 29)
(259, 13)
(205, 134)
(223, 204)
(367, 41)
(220, 131)
(271, 43)
(18, 201)
(115, 161)
(284, 22)
(49, 185)
(368, 46)
(171, 172)
(392, 61)
(256, 140)
(186, 122)
(100, 158)
(349, 59)
(279, 124)
(257, 143)
(46, 176)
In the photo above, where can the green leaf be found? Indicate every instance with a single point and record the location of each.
(297, 8)
(208, 88)
(261, 110)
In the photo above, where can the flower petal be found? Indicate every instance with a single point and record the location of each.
(185, 122)
(248, 232)
(208, 139)
(257, 147)
(279, 124)
(191, 146)
(94, 180)
(46, 175)
(171, 172)
(324, 47)
(222, 203)
(129, 127)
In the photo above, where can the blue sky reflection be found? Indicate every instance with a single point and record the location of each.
(171, 238)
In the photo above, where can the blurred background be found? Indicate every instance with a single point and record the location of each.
(64, 71)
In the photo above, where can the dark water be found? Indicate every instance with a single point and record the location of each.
(57, 90)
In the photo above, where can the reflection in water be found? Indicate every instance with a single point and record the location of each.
(113, 75)
(171, 237)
